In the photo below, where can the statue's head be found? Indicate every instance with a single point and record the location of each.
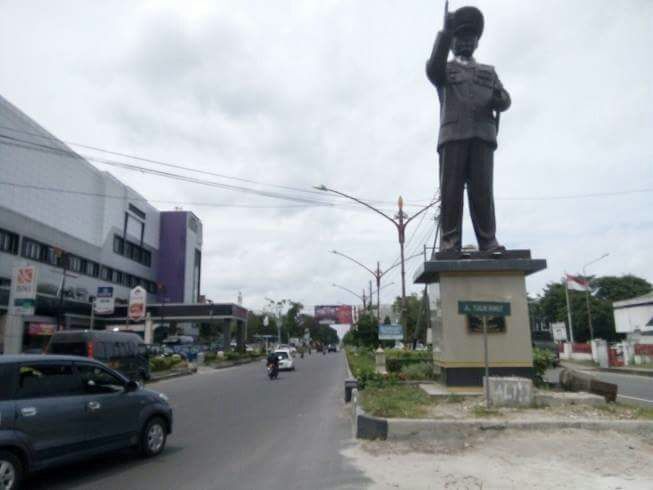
(468, 28)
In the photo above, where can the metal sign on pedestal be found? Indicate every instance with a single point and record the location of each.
(137, 301)
(391, 332)
(484, 309)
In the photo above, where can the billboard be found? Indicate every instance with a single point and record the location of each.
(104, 301)
(137, 299)
(330, 314)
(23, 290)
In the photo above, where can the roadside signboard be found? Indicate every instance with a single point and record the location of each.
(23, 290)
(391, 332)
(104, 300)
(485, 310)
(330, 314)
(137, 300)
(559, 331)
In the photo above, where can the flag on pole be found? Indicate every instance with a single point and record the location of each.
(576, 283)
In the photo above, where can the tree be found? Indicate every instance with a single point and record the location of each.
(415, 316)
(552, 305)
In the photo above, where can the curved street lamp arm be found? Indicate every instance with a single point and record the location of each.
(399, 263)
(327, 189)
(594, 261)
(348, 290)
(421, 211)
(354, 261)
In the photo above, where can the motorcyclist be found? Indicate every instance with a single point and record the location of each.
(273, 362)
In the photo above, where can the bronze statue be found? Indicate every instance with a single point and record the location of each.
(471, 98)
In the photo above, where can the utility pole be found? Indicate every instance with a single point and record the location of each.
(400, 222)
(371, 297)
(587, 294)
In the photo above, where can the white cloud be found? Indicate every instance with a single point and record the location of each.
(301, 93)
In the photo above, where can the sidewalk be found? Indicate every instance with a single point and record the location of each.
(619, 370)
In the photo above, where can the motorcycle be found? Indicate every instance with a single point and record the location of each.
(273, 371)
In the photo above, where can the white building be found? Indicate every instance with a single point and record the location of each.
(634, 317)
(57, 210)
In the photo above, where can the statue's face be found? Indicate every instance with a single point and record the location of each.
(464, 44)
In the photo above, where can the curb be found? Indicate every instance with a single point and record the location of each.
(634, 372)
(179, 374)
(228, 364)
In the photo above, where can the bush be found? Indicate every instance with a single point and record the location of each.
(543, 359)
(161, 363)
(231, 356)
(419, 370)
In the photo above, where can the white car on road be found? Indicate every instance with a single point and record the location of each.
(285, 360)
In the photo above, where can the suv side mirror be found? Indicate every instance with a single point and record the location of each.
(131, 386)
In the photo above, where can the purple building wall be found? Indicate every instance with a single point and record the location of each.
(172, 256)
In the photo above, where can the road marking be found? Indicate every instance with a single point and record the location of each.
(635, 398)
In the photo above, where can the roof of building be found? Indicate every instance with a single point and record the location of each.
(639, 300)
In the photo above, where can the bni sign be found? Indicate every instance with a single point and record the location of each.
(104, 301)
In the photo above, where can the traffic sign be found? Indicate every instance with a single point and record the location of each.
(391, 332)
(483, 308)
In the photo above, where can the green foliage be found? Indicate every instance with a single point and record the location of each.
(420, 370)
(415, 317)
(161, 363)
(232, 356)
(395, 401)
(366, 332)
(543, 359)
(552, 307)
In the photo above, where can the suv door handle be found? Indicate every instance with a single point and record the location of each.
(93, 406)
(28, 411)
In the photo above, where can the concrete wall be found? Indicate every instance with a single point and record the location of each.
(459, 347)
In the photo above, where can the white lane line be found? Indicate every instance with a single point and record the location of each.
(635, 398)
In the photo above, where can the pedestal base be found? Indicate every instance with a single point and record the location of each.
(458, 339)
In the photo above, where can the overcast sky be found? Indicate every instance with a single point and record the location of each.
(298, 93)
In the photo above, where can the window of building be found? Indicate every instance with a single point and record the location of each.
(92, 268)
(137, 211)
(118, 245)
(8, 242)
(105, 273)
(116, 277)
(133, 281)
(146, 258)
(74, 263)
(31, 249)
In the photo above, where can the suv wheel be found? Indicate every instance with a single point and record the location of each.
(11, 471)
(153, 438)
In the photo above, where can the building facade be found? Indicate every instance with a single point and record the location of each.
(83, 228)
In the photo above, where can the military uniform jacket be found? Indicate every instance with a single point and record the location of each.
(469, 94)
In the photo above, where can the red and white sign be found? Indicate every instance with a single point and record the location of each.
(575, 283)
(23, 290)
(137, 303)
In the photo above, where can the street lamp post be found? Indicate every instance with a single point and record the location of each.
(400, 221)
(587, 293)
(378, 274)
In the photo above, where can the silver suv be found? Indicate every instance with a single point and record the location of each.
(59, 409)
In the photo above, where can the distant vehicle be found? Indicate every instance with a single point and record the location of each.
(332, 348)
(124, 352)
(285, 360)
(60, 409)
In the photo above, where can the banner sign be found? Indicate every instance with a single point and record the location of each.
(391, 332)
(104, 301)
(330, 314)
(23, 290)
(137, 300)
(483, 308)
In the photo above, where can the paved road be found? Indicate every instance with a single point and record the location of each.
(235, 429)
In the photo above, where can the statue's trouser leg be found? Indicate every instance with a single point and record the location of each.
(453, 163)
(480, 194)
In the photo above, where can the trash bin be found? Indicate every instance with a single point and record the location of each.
(350, 384)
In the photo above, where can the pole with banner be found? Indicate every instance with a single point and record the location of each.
(484, 310)
(137, 304)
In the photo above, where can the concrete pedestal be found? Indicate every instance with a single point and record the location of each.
(457, 340)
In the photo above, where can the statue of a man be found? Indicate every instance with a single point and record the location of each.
(471, 97)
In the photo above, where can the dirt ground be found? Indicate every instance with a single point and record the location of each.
(565, 459)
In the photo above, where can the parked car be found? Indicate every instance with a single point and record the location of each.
(285, 360)
(58, 409)
(124, 352)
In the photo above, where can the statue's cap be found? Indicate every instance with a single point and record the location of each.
(468, 19)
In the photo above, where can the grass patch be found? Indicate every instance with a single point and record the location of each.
(627, 411)
(481, 411)
(396, 401)
(360, 361)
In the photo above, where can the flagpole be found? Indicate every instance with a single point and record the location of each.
(571, 328)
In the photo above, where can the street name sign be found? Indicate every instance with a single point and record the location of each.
(483, 308)
(391, 332)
